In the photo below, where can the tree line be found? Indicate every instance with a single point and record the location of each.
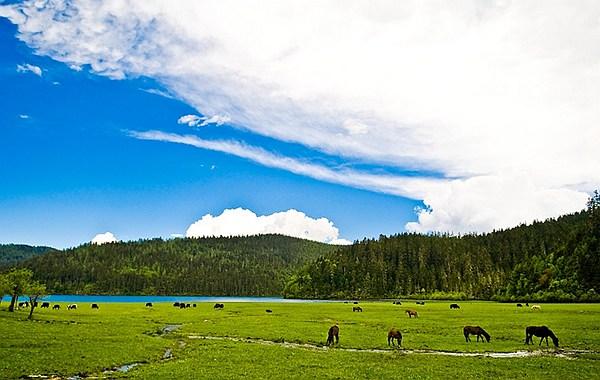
(240, 266)
(554, 260)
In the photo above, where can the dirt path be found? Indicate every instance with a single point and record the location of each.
(566, 354)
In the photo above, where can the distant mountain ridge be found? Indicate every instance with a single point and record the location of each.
(13, 253)
(241, 266)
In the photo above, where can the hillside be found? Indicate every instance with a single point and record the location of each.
(555, 260)
(13, 253)
(242, 266)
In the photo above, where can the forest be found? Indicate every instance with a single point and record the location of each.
(241, 266)
(554, 260)
(13, 253)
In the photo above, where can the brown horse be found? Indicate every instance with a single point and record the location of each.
(394, 334)
(542, 332)
(411, 312)
(334, 332)
(475, 330)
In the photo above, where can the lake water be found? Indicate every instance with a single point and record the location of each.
(72, 298)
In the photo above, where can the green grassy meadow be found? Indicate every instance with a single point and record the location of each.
(86, 342)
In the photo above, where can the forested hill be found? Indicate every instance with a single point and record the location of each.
(13, 253)
(241, 266)
(555, 260)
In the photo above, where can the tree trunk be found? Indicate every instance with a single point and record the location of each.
(13, 300)
(32, 306)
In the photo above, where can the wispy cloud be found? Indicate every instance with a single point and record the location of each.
(495, 93)
(23, 116)
(155, 91)
(28, 68)
(202, 121)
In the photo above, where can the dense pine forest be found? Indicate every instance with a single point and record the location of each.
(13, 253)
(555, 260)
(241, 266)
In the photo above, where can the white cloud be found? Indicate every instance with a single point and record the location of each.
(28, 68)
(104, 238)
(483, 91)
(202, 121)
(24, 116)
(242, 222)
(158, 92)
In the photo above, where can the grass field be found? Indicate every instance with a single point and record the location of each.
(87, 342)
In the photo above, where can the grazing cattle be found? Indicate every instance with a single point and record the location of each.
(454, 306)
(394, 334)
(420, 302)
(219, 306)
(345, 301)
(411, 312)
(56, 307)
(334, 332)
(475, 330)
(72, 307)
(188, 305)
(148, 304)
(536, 307)
(397, 303)
(35, 304)
(269, 311)
(357, 308)
(45, 305)
(542, 332)
(182, 305)
(193, 305)
(95, 306)
(176, 304)
(527, 304)
(519, 305)
(356, 302)
(23, 304)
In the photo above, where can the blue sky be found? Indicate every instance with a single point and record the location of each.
(373, 119)
(69, 170)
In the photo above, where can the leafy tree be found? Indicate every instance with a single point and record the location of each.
(34, 290)
(18, 280)
(4, 287)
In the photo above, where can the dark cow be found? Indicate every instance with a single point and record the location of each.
(45, 305)
(397, 303)
(420, 302)
(334, 332)
(356, 302)
(23, 304)
(35, 304)
(193, 305)
(519, 305)
(182, 305)
(454, 306)
(394, 334)
(527, 304)
(219, 306)
(540, 331)
(176, 304)
(269, 311)
(357, 308)
(72, 307)
(475, 330)
(95, 306)
(56, 307)
(148, 304)
(187, 305)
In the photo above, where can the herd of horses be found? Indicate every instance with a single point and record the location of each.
(542, 332)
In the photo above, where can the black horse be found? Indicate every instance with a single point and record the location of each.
(394, 334)
(454, 306)
(542, 332)
(334, 332)
(475, 330)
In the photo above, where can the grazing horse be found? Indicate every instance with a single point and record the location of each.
(357, 308)
(56, 307)
(542, 332)
(536, 307)
(475, 330)
(519, 305)
(411, 312)
(394, 334)
(95, 306)
(454, 306)
(148, 304)
(334, 332)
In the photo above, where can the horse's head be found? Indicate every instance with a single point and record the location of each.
(555, 341)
